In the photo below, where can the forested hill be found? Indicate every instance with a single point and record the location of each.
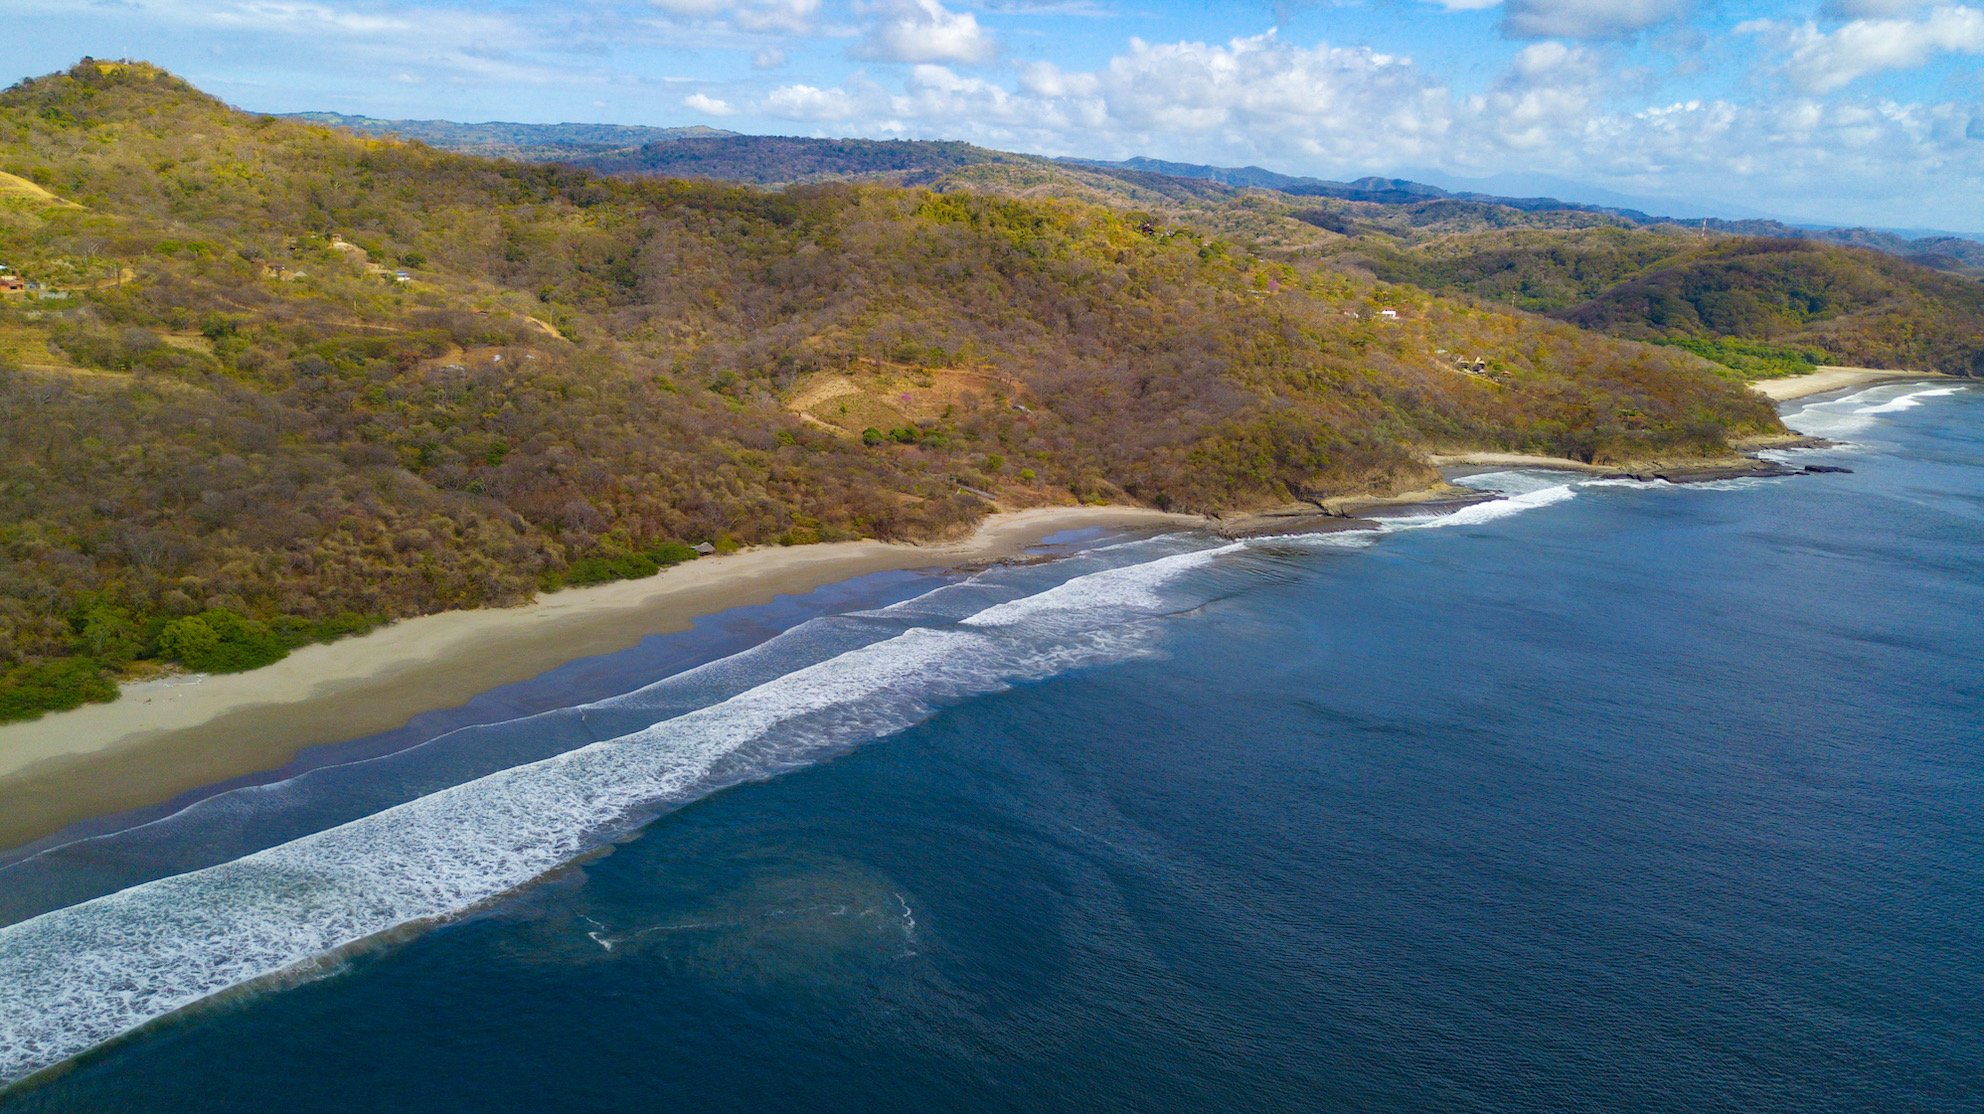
(1759, 305)
(783, 160)
(1389, 206)
(498, 139)
(277, 381)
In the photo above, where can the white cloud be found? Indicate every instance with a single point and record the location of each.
(1587, 19)
(1339, 111)
(1550, 91)
(770, 58)
(807, 102)
(1045, 79)
(708, 105)
(760, 16)
(1465, 5)
(1822, 61)
(924, 31)
(789, 16)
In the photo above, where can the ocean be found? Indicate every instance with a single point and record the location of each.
(1605, 794)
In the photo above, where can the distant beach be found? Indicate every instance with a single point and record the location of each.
(1828, 379)
(165, 737)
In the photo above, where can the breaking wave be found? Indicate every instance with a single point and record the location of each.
(78, 976)
(1907, 401)
(1479, 513)
(1861, 410)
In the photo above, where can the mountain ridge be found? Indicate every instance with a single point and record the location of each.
(782, 160)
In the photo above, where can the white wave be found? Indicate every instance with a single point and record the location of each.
(1907, 401)
(1842, 417)
(1334, 539)
(1516, 481)
(1623, 481)
(78, 976)
(1131, 586)
(1479, 513)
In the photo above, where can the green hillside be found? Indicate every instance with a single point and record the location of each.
(1762, 306)
(783, 160)
(241, 430)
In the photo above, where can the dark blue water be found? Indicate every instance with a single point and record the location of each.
(1606, 796)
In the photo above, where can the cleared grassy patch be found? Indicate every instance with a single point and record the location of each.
(13, 187)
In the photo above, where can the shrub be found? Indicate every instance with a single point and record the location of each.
(219, 641)
(27, 691)
(602, 569)
(672, 553)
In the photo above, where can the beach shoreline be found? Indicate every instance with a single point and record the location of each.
(172, 735)
(1826, 380)
(166, 737)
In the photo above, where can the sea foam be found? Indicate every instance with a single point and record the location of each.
(78, 976)
(1478, 513)
(1907, 401)
(1860, 411)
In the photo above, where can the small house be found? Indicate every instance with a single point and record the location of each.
(12, 284)
(402, 276)
(1388, 314)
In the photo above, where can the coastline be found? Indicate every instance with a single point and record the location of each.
(1828, 379)
(168, 736)
(165, 737)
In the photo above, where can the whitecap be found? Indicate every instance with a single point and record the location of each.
(78, 976)
(1907, 401)
(1479, 513)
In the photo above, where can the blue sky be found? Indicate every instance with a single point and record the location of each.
(1839, 111)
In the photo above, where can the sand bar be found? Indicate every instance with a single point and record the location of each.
(163, 738)
(1828, 379)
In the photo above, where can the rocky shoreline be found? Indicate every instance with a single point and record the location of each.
(1320, 514)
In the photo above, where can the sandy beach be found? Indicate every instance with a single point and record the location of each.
(1827, 379)
(165, 737)
(1458, 461)
(162, 738)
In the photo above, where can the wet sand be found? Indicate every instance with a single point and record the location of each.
(163, 738)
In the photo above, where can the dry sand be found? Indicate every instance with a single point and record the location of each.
(1514, 460)
(163, 738)
(1828, 379)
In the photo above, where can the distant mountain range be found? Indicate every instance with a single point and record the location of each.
(712, 153)
(503, 140)
(1943, 250)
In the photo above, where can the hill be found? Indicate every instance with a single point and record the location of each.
(1426, 205)
(1392, 206)
(784, 160)
(1756, 304)
(298, 381)
(498, 139)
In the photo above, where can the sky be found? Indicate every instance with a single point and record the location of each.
(1829, 111)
